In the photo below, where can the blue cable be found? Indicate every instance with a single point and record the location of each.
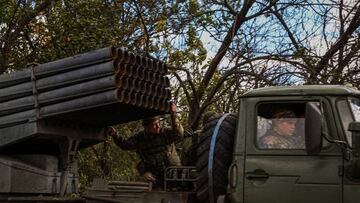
(211, 157)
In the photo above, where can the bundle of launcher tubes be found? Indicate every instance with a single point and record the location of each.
(102, 87)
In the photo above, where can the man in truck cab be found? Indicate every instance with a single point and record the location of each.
(155, 145)
(282, 134)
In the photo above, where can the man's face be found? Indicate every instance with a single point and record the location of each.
(153, 127)
(286, 127)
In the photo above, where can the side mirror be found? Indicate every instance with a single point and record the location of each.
(354, 127)
(313, 140)
(354, 170)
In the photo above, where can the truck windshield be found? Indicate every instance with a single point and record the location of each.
(355, 108)
(349, 110)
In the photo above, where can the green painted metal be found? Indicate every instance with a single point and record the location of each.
(324, 90)
(293, 175)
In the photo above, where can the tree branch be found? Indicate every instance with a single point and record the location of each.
(239, 20)
(144, 26)
(340, 43)
(14, 32)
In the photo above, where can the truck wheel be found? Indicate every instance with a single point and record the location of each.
(222, 156)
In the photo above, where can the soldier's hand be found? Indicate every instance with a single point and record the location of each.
(112, 132)
(172, 108)
(149, 177)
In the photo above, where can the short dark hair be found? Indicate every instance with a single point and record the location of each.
(149, 120)
(284, 113)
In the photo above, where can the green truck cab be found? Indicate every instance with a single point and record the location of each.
(325, 168)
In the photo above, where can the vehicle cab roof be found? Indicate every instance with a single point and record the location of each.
(304, 90)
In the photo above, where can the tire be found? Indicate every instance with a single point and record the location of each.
(222, 156)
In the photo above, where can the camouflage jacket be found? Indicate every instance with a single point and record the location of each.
(273, 140)
(156, 151)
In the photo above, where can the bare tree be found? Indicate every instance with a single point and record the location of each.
(272, 43)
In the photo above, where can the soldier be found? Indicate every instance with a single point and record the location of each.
(281, 135)
(155, 145)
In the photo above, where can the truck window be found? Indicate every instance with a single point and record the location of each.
(281, 126)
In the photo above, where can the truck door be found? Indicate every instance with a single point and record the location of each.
(277, 168)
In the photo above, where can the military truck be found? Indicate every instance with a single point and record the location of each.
(324, 169)
(49, 112)
(232, 165)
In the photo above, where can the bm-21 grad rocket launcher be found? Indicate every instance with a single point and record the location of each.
(49, 111)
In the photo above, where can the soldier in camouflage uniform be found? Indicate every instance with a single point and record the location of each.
(155, 146)
(281, 135)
